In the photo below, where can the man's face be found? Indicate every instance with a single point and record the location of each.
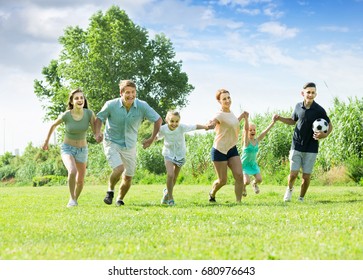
(128, 96)
(309, 94)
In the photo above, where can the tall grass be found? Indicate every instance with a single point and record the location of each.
(35, 224)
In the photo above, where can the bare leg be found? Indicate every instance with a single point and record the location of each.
(115, 177)
(81, 168)
(292, 178)
(124, 187)
(172, 171)
(70, 164)
(234, 163)
(221, 169)
(305, 184)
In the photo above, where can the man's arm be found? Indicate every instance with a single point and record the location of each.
(147, 142)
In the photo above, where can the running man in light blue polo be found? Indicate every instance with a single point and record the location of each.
(123, 117)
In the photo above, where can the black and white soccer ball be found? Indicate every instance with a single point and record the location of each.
(320, 125)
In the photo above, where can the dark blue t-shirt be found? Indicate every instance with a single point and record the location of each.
(302, 139)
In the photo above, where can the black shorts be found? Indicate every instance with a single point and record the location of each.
(218, 156)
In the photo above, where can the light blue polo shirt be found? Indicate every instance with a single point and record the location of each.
(121, 126)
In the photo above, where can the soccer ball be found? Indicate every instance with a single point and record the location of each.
(320, 125)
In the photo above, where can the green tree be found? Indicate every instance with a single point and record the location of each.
(113, 48)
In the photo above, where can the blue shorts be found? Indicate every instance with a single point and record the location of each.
(218, 156)
(178, 162)
(79, 154)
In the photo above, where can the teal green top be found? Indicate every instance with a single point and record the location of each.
(249, 161)
(77, 130)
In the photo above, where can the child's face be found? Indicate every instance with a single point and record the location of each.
(173, 122)
(252, 131)
(309, 94)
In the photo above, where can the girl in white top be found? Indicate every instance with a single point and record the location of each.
(174, 150)
(224, 152)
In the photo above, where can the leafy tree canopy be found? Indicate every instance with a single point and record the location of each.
(113, 48)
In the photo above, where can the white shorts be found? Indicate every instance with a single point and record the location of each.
(302, 160)
(117, 156)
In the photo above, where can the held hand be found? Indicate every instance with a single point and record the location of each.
(275, 118)
(99, 137)
(147, 142)
(45, 146)
(210, 125)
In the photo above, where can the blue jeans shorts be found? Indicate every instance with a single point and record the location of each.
(79, 154)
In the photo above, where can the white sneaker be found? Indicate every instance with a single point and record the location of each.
(164, 200)
(301, 199)
(72, 203)
(288, 194)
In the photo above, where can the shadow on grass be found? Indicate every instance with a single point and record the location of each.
(339, 201)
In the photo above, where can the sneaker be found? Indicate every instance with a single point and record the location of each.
(211, 198)
(288, 194)
(72, 203)
(108, 198)
(256, 188)
(164, 200)
(301, 199)
(171, 202)
(120, 202)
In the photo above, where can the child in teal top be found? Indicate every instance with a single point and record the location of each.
(249, 154)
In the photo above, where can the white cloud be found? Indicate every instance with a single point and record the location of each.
(278, 30)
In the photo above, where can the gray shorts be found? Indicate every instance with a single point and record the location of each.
(302, 160)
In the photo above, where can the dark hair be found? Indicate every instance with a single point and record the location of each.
(310, 84)
(71, 94)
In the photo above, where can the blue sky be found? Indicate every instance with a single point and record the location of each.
(263, 51)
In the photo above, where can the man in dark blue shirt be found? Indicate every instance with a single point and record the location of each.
(305, 144)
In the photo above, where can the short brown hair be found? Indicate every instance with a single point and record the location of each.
(219, 92)
(126, 83)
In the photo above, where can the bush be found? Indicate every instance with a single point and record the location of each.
(151, 159)
(355, 169)
(49, 180)
(7, 172)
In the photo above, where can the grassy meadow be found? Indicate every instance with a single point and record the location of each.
(36, 225)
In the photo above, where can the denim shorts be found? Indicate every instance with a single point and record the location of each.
(178, 162)
(79, 154)
(218, 156)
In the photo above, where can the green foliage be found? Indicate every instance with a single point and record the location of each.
(198, 167)
(346, 140)
(355, 169)
(97, 167)
(7, 172)
(151, 159)
(49, 180)
(111, 49)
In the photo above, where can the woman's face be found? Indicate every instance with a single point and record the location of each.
(78, 100)
(225, 100)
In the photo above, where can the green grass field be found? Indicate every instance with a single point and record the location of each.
(36, 225)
